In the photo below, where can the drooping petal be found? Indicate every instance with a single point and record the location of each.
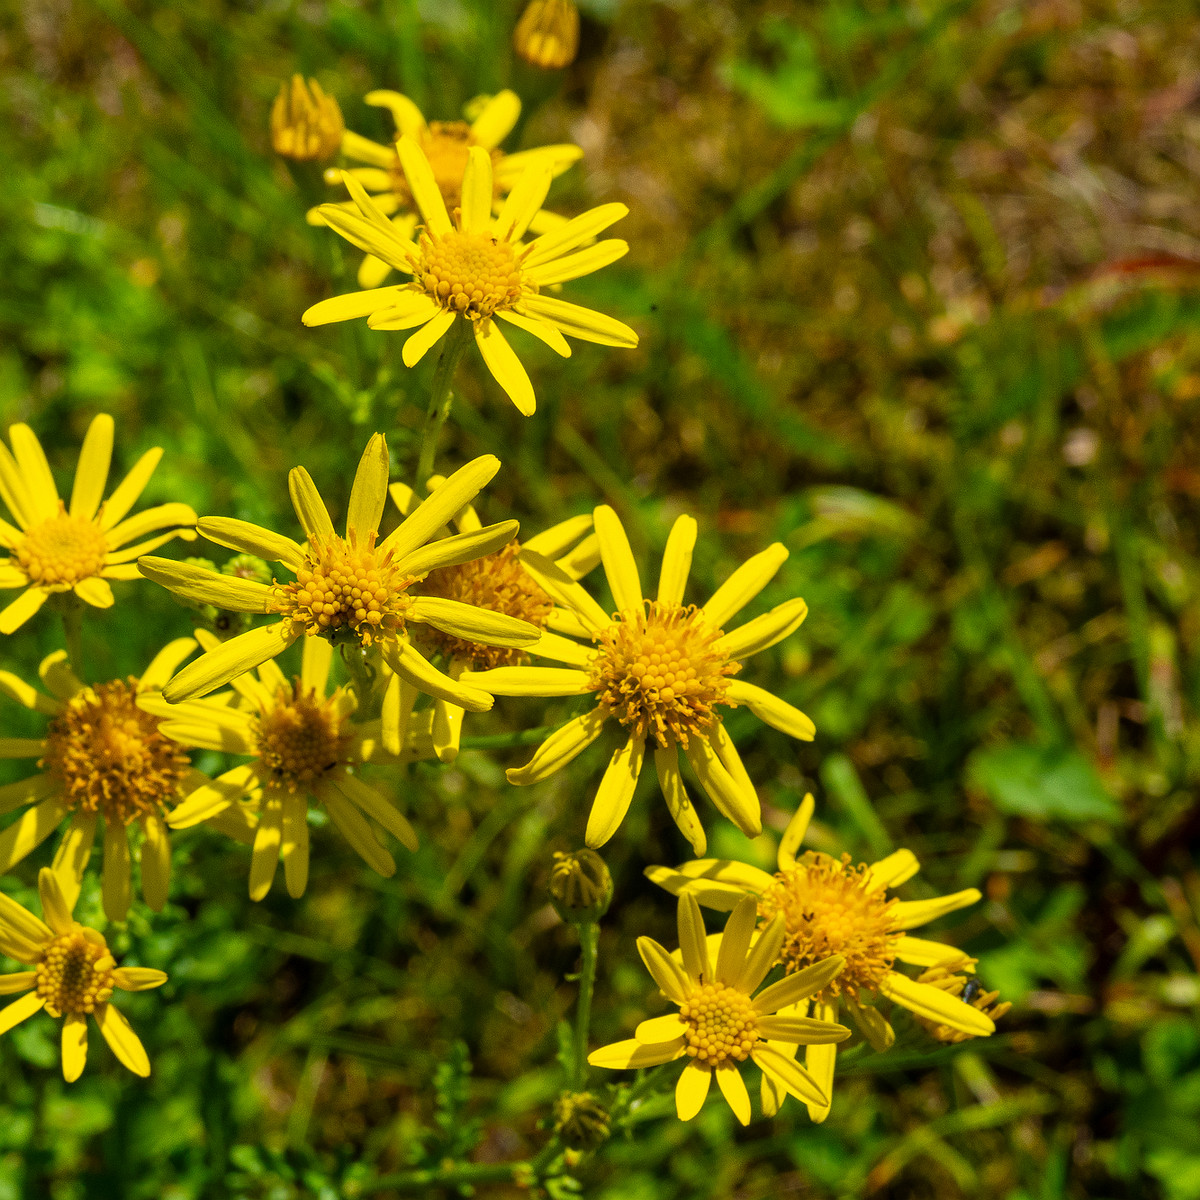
(30, 830)
(416, 670)
(447, 729)
(294, 845)
(74, 1046)
(560, 748)
(72, 856)
(679, 804)
(788, 1073)
(94, 591)
(354, 828)
(378, 808)
(615, 792)
(115, 886)
(267, 842)
(405, 113)
(899, 867)
(91, 474)
(28, 791)
(125, 1044)
(20, 1010)
(873, 1026)
(733, 1088)
(473, 624)
(692, 1089)
(156, 862)
(505, 366)
(724, 791)
(793, 835)
(769, 708)
(233, 658)
(935, 1005)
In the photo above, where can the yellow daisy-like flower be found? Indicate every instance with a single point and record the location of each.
(500, 583)
(475, 268)
(306, 123)
(78, 549)
(547, 35)
(830, 907)
(957, 976)
(73, 977)
(663, 670)
(102, 757)
(446, 144)
(720, 1021)
(353, 590)
(302, 744)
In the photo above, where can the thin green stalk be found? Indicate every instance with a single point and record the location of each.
(362, 678)
(440, 399)
(589, 940)
(72, 619)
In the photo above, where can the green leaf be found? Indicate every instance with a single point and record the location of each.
(1043, 783)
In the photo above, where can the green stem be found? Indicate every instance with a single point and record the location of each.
(457, 1175)
(72, 619)
(589, 939)
(362, 678)
(440, 399)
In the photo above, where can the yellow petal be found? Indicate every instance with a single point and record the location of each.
(632, 1055)
(369, 492)
(267, 842)
(29, 831)
(661, 1029)
(873, 1026)
(27, 791)
(679, 804)
(19, 1010)
(74, 1046)
(528, 193)
(473, 624)
(13, 491)
(410, 310)
(446, 500)
(123, 1042)
(793, 835)
(378, 809)
(775, 712)
(416, 670)
(458, 548)
(352, 305)
(908, 914)
(560, 748)
(55, 909)
(294, 848)
(935, 1005)
(733, 1088)
(691, 1090)
(505, 366)
(615, 792)
(666, 972)
(115, 876)
(206, 801)
(791, 989)
(922, 953)
(31, 459)
(788, 1073)
(362, 149)
(447, 730)
(565, 590)
(199, 585)
(897, 868)
(405, 113)
(560, 649)
(579, 322)
(764, 631)
(92, 472)
(19, 922)
(531, 681)
(574, 233)
(555, 158)
(156, 862)
(744, 584)
(234, 657)
(720, 895)
(22, 748)
(354, 828)
(310, 508)
(475, 212)
(558, 539)
(724, 791)
(677, 561)
(94, 591)
(423, 185)
(540, 330)
(113, 511)
(148, 521)
(763, 955)
(164, 664)
(582, 262)
(22, 608)
(735, 941)
(138, 979)
(693, 943)
(72, 856)
(315, 662)
(252, 539)
(15, 688)
(497, 119)
(803, 1031)
(619, 564)
(20, 981)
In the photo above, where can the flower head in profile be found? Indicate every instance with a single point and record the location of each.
(73, 976)
(721, 1022)
(306, 123)
(664, 671)
(302, 747)
(354, 590)
(106, 768)
(498, 582)
(830, 907)
(475, 269)
(957, 978)
(547, 35)
(446, 145)
(56, 548)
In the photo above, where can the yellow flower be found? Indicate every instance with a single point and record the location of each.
(102, 756)
(77, 549)
(446, 145)
(547, 35)
(500, 583)
(720, 1022)
(73, 977)
(965, 986)
(303, 745)
(306, 124)
(829, 907)
(664, 671)
(475, 268)
(352, 590)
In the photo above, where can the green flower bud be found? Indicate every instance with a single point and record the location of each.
(246, 566)
(580, 1120)
(580, 886)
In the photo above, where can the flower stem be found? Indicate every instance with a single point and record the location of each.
(363, 675)
(589, 939)
(72, 619)
(440, 399)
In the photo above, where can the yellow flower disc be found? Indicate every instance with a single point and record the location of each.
(828, 909)
(62, 550)
(659, 674)
(343, 586)
(498, 583)
(472, 274)
(300, 737)
(75, 974)
(110, 756)
(720, 1023)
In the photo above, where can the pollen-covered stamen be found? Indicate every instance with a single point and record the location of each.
(75, 973)
(343, 586)
(61, 551)
(498, 583)
(828, 909)
(659, 673)
(446, 145)
(300, 738)
(720, 1023)
(472, 274)
(110, 757)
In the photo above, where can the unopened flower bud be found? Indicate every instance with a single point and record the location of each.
(580, 886)
(246, 566)
(580, 1120)
(547, 35)
(966, 987)
(306, 123)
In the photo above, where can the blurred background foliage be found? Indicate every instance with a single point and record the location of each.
(916, 290)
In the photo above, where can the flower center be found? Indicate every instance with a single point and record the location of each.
(446, 145)
(469, 273)
(828, 909)
(300, 737)
(343, 586)
(75, 974)
(658, 673)
(720, 1022)
(110, 756)
(62, 550)
(498, 583)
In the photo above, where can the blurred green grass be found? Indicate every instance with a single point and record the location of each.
(915, 285)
